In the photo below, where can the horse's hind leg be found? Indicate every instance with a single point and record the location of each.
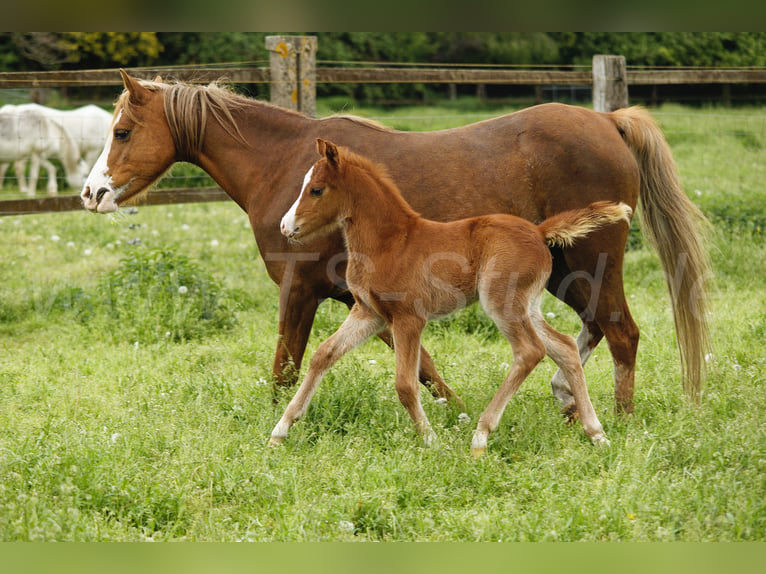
(563, 350)
(360, 325)
(595, 291)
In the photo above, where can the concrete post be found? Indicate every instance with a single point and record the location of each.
(293, 72)
(610, 83)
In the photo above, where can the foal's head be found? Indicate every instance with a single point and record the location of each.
(321, 205)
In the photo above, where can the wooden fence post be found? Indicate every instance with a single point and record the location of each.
(610, 83)
(293, 72)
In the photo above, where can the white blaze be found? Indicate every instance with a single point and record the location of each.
(99, 178)
(288, 221)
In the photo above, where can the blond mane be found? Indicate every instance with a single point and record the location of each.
(187, 108)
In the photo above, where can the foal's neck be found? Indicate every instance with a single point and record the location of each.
(377, 214)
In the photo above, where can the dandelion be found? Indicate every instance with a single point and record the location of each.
(115, 436)
(373, 362)
(550, 315)
(55, 238)
(736, 367)
(70, 244)
(441, 401)
(185, 227)
(464, 418)
(213, 243)
(709, 357)
(87, 252)
(183, 289)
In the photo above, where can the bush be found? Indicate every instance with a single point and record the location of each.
(158, 295)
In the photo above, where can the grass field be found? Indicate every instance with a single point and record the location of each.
(136, 405)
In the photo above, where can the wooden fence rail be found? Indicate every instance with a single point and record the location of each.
(111, 77)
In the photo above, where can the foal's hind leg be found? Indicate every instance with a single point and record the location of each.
(562, 349)
(528, 351)
(361, 324)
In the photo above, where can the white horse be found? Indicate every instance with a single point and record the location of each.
(88, 126)
(28, 134)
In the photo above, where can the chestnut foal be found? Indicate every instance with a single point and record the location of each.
(404, 270)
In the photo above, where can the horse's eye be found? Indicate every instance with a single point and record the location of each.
(121, 134)
(316, 191)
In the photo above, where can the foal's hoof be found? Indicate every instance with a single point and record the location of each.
(570, 413)
(276, 440)
(478, 452)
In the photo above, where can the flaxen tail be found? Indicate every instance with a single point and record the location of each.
(673, 225)
(564, 228)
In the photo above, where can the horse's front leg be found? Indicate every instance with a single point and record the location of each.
(297, 308)
(52, 186)
(406, 332)
(360, 325)
(27, 184)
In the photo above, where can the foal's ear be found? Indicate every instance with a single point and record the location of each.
(136, 90)
(329, 151)
(158, 79)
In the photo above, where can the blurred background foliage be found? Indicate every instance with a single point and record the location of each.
(78, 50)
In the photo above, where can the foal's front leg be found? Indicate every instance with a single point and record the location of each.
(361, 324)
(406, 332)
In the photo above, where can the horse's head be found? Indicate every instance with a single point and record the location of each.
(320, 205)
(139, 148)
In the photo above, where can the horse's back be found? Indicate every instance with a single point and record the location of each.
(532, 163)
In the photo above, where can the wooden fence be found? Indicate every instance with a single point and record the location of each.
(293, 75)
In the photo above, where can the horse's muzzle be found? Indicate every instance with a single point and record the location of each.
(103, 201)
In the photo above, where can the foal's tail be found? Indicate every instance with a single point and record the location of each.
(672, 224)
(564, 228)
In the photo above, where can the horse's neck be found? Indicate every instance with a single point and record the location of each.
(271, 135)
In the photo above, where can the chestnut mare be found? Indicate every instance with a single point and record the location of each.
(533, 163)
(404, 270)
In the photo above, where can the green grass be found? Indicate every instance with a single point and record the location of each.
(108, 432)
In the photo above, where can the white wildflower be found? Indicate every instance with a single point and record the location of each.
(346, 526)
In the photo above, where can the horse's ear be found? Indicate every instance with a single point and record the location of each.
(158, 79)
(136, 90)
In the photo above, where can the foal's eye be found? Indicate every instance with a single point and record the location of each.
(121, 134)
(316, 191)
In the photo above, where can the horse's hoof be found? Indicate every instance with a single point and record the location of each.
(478, 452)
(601, 440)
(276, 440)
